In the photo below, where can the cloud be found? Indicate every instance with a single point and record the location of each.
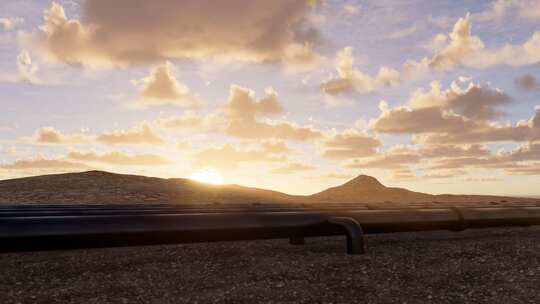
(351, 145)
(461, 44)
(293, 168)
(138, 135)
(475, 101)
(229, 157)
(402, 120)
(161, 87)
(488, 133)
(455, 116)
(535, 122)
(27, 70)
(386, 161)
(517, 161)
(143, 134)
(49, 135)
(127, 32)
(118, 158)
(462, 48)
(435, 111)
(243, 110)
(399, 156)
(527, 82)
(10, 23)
(533, 169)
(350, 79)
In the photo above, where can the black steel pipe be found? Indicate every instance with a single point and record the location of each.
(106, 227)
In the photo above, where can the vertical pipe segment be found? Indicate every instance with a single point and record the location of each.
(353, 230)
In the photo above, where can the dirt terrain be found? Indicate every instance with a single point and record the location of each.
(474, 266)
(98, 187)
(480, 266)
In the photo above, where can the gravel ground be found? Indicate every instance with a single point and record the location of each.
(481, 266)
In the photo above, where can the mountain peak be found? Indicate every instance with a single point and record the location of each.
(365, 181)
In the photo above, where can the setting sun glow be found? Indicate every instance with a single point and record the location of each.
(209, 176)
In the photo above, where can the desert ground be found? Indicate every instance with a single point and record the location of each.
(475, 266)
(499, 265)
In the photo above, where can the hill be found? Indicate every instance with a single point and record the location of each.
(368, 189)
(98, 187)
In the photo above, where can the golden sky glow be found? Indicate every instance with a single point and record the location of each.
(290, 95)
(210, 176)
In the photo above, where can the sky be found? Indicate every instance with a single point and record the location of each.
(289, 95)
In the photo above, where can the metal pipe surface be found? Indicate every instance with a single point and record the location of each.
(56, 227)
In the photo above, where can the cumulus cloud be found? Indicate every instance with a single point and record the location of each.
(454, 110)
(244, 110)
(49, 135)
(118, 158)
(527, 82)
(522, 160)
(475, 101)
(293, 168)
(465, 49)
(127, 32)
(405, 120)
(161, 87)
(351, 145)
(399, 159)
(350, 79)
(461, 44)
(488, 132)
(143, 134)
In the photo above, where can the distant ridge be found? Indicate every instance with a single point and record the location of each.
(369, 189)
(100, 187)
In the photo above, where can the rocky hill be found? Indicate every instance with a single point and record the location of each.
(98, 187)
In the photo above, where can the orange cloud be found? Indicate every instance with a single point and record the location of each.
(351, 145)
(114, 33)
(162, 88)
(243, 110)
(350, 79)
(49, 135)
(452, 111)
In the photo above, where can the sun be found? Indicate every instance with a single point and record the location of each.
(209, 176)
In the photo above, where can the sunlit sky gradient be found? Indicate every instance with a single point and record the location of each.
(435, 96)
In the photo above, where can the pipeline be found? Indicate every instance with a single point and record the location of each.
(52, 227)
